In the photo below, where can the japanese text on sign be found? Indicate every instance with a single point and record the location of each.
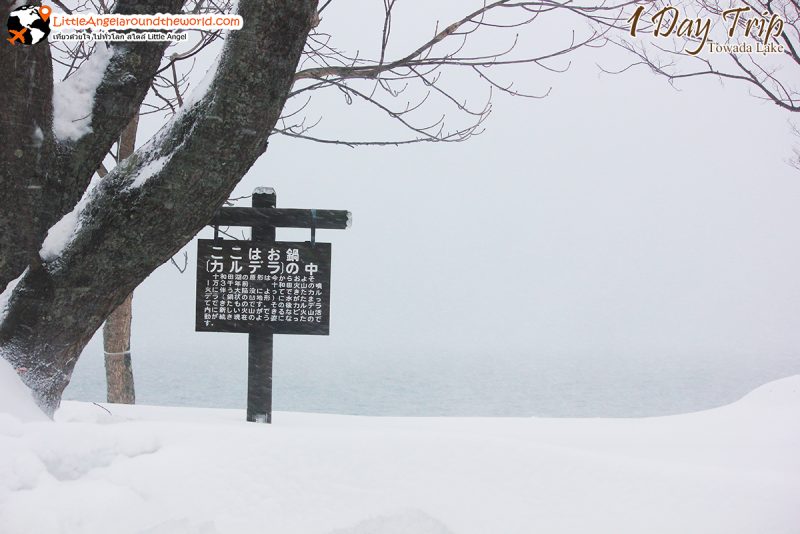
(283, 287)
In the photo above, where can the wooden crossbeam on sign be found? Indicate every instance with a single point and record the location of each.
(282, 218)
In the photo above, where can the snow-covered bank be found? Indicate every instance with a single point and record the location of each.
(155, 470)
(16, 401)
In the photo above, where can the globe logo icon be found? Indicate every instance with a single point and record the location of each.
(28, 25)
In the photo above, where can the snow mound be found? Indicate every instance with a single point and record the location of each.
(16, 401)
(182, 526)
(780, 392)
(412, 521)
(5, 296)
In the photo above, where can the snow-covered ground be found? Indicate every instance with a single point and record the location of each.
(157, 470)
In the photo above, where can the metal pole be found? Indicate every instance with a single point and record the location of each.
(259, 344)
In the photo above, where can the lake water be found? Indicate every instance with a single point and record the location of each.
(447, 385)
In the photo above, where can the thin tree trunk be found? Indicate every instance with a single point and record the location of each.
(117, 330)
(117, 349)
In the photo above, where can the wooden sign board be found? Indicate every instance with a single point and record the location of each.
(248, 286)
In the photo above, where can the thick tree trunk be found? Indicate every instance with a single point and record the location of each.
(151, 205)
(26, 124)
(42, 177)
(117, 329)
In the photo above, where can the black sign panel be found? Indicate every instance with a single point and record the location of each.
(246, 286)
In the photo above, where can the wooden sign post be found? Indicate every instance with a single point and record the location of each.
(259, 341)
(265, 287)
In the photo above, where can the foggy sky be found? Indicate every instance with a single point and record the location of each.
(617, 220)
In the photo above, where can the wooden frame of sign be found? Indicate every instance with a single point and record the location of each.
(264, 287)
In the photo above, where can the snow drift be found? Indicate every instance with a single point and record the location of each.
(16, 401)
(732, 470)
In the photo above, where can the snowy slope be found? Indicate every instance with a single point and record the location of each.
(155, 470)
(16, 402)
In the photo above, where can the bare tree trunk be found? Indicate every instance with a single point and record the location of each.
(117, 330)
(117, 350)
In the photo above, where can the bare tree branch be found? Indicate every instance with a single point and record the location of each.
(774, 77)
(380, 82)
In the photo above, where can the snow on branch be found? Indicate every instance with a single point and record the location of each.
(73, 98)
(63, 232)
